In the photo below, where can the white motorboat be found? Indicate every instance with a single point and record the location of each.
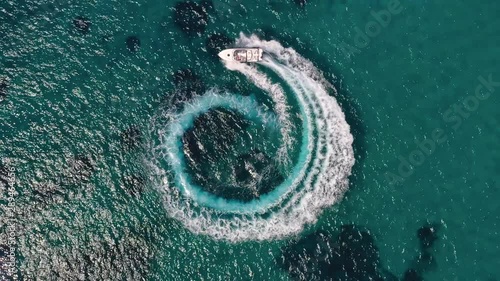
(242, 54)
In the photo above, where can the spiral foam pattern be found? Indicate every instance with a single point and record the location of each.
(317, 177)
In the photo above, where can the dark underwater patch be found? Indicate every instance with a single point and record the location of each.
(131, 138)
(192, 147)
(251, 166)
(222, 126)
(133, 184)
(250, 163)
(306, 258)
(233, 193)
(187, 85)
(3, 89)
(353, 255)
(133, 43)
(208, 5)
(425, 261)
(209, 149)
(81, 169)
(216, 43)
(412, 275)
(427, 236)
(48, 192)
(78, 172)
(130, 257)
(82, 24)
(185, 76)
(300, 3)
(191, 17)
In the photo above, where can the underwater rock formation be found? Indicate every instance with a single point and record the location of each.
(82, 24)
(208, 5)
(191, 17)
(216, 43)
(246, 176)
(123, 258)
(249, 164)
(223, 126)
(412, 275)
(133, 43)
(81, 169)
(255, 175)
(352, 256)
(307, 258)
(3, 89)
(188, 85)
(427, 235)
(356, 254)
(131, 138)
(255, 169)
(424, 262)
(48, 192)
(300, 3)
(186, 76)
(133, 184)
(192, 148)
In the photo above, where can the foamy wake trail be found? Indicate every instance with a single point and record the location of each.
(318, 178)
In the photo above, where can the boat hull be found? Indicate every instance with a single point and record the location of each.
(242, 54)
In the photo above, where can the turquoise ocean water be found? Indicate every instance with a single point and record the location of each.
(88, 90)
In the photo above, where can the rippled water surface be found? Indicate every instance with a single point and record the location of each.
(364, 146)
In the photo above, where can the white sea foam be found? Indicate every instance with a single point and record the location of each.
(318, 178)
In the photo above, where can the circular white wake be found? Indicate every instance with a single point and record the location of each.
(317, 179)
